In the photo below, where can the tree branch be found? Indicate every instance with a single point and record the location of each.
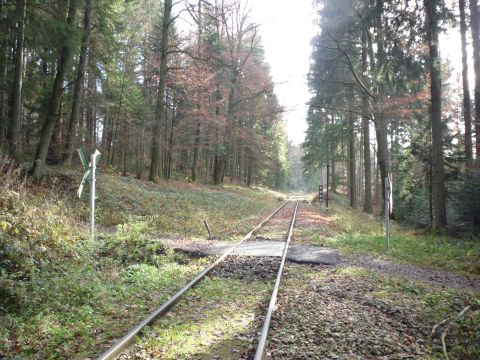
(253, 96)
(346, 83)
(340, 110)
(350, 65)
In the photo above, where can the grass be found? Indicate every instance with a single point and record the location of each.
(70, 311)
(171, 208)
(357, 232)
(228, 307)
(64, 296)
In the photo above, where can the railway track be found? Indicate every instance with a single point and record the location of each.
(118, 350)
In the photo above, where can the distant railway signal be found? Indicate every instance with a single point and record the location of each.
(320, 193)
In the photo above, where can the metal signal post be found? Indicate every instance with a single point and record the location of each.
(387, 214)
(90, 175)
(328, 183)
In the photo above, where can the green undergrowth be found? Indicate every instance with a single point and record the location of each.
(213, 322)
(73, 307)
(355, 231)
(172, 207)
(64, 296)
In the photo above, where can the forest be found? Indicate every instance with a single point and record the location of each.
(203, 234)
(117, 75)
(382, 108)
(200, 104)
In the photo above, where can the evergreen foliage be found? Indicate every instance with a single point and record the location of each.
(216, 115)
(377, 62)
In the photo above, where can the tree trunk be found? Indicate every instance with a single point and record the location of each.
(79, 84)
(218, 164)
(55, 100)
(367, 203)
(105, 127)
(164, 146)
(109, 128)
(170, 148)
(333, 175)
(195, 151)
(141, 151)
(434, 65)
(124, 145)
(199, 95)
(90, 111)
(114, 143)
(351, 159)
(233, 153)
(430, 194)
(55, 149)
(3, 73)
(467, 106)
(380, 120)
(159, 111)
(15, 122)
(475, 26)
(382, 150)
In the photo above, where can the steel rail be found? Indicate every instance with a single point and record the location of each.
(124, 342)
(266, 324)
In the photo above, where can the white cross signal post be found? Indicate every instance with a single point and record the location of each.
(90, 168)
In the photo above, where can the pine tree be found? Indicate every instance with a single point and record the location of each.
(15, 123)
(65, 57)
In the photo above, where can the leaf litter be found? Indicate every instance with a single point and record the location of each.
(335, 318)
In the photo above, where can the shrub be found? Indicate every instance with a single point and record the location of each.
(34, 233)
(132, 244)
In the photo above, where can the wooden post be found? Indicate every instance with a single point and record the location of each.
(208, 229)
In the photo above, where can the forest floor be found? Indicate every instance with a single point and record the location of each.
(366, 307)
(64, 296)
(374, 306)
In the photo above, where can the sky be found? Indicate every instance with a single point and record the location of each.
(286, 28)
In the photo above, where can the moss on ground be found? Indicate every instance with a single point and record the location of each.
(213, 321)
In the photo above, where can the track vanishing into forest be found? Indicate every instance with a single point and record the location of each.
(227, 266)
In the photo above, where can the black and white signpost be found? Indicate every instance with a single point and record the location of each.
(320, 193)
(90, 169)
